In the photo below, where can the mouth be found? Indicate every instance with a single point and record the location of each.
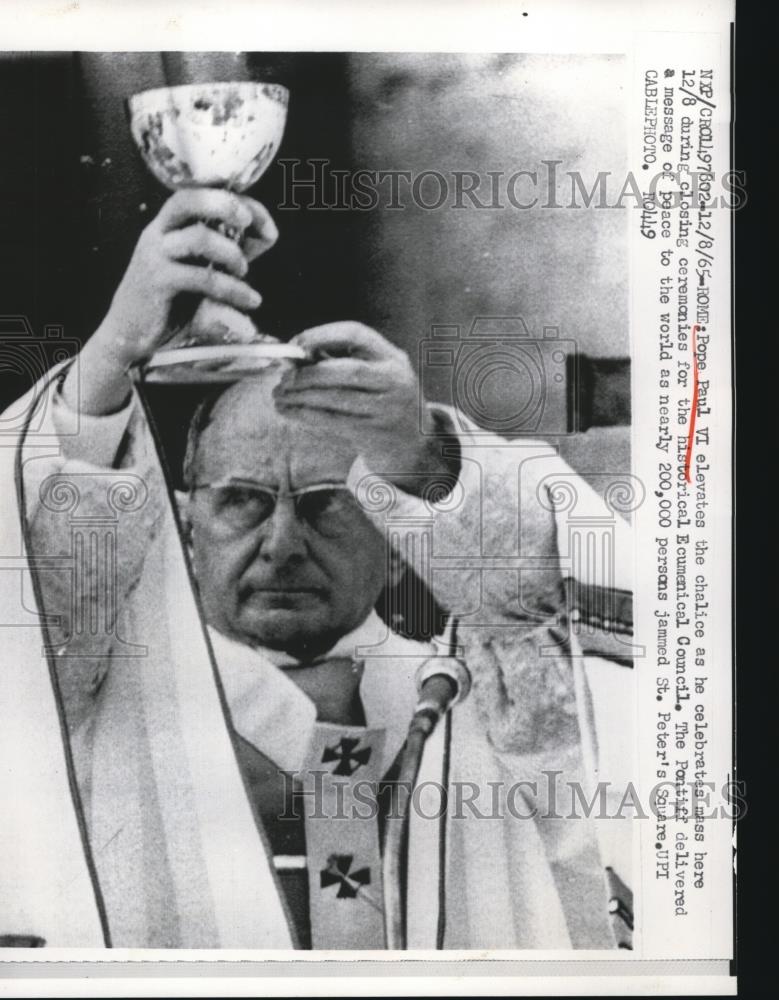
(284, 590)
(277, 592)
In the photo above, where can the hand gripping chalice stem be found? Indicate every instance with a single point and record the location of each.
(221, 135)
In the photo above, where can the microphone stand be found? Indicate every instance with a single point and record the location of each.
(442, 681)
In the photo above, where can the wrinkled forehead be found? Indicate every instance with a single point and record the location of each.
(246, 436)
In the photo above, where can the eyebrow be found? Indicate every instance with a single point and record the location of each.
(248, 481)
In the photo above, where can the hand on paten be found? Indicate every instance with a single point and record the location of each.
(364, 388)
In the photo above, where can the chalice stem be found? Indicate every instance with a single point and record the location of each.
(221, 135)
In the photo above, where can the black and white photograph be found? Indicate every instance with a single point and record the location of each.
(322, 490)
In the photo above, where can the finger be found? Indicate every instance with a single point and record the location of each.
(218, 316)
(262, 233)
(254, 248)
(336, 373)
(346, 339)
(328, 401)
(201, 241)
(192, 204)
(215, 285)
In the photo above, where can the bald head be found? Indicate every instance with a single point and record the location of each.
(281, 576)
(239, 432)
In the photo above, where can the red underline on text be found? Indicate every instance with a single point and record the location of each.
(694, 410)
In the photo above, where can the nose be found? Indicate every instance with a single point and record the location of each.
(283, 539)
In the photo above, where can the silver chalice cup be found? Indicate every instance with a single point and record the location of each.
(221, 135)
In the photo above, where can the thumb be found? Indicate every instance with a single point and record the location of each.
(345, 339)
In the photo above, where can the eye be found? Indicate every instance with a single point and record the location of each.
(330, 511)
(242, 504)
(236, 496)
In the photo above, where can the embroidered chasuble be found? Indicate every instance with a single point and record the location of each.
(317, 795)
(132, 772)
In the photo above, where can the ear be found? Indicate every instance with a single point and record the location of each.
(183, 502)
(396, 568)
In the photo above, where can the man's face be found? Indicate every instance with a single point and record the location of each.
(280, 583)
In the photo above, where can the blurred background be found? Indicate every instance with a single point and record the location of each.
(453, 285)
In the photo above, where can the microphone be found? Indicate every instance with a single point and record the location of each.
(442, 681)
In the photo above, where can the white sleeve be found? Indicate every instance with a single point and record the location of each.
(88, 438)
(94, 496)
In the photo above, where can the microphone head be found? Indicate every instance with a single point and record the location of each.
(446, 666)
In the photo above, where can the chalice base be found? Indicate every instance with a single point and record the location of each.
(206, 363)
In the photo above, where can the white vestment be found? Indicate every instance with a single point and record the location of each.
(170, 848)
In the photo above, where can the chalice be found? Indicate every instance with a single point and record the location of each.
(221, 135)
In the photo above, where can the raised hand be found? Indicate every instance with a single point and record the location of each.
(364, 389)
(177, 252)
